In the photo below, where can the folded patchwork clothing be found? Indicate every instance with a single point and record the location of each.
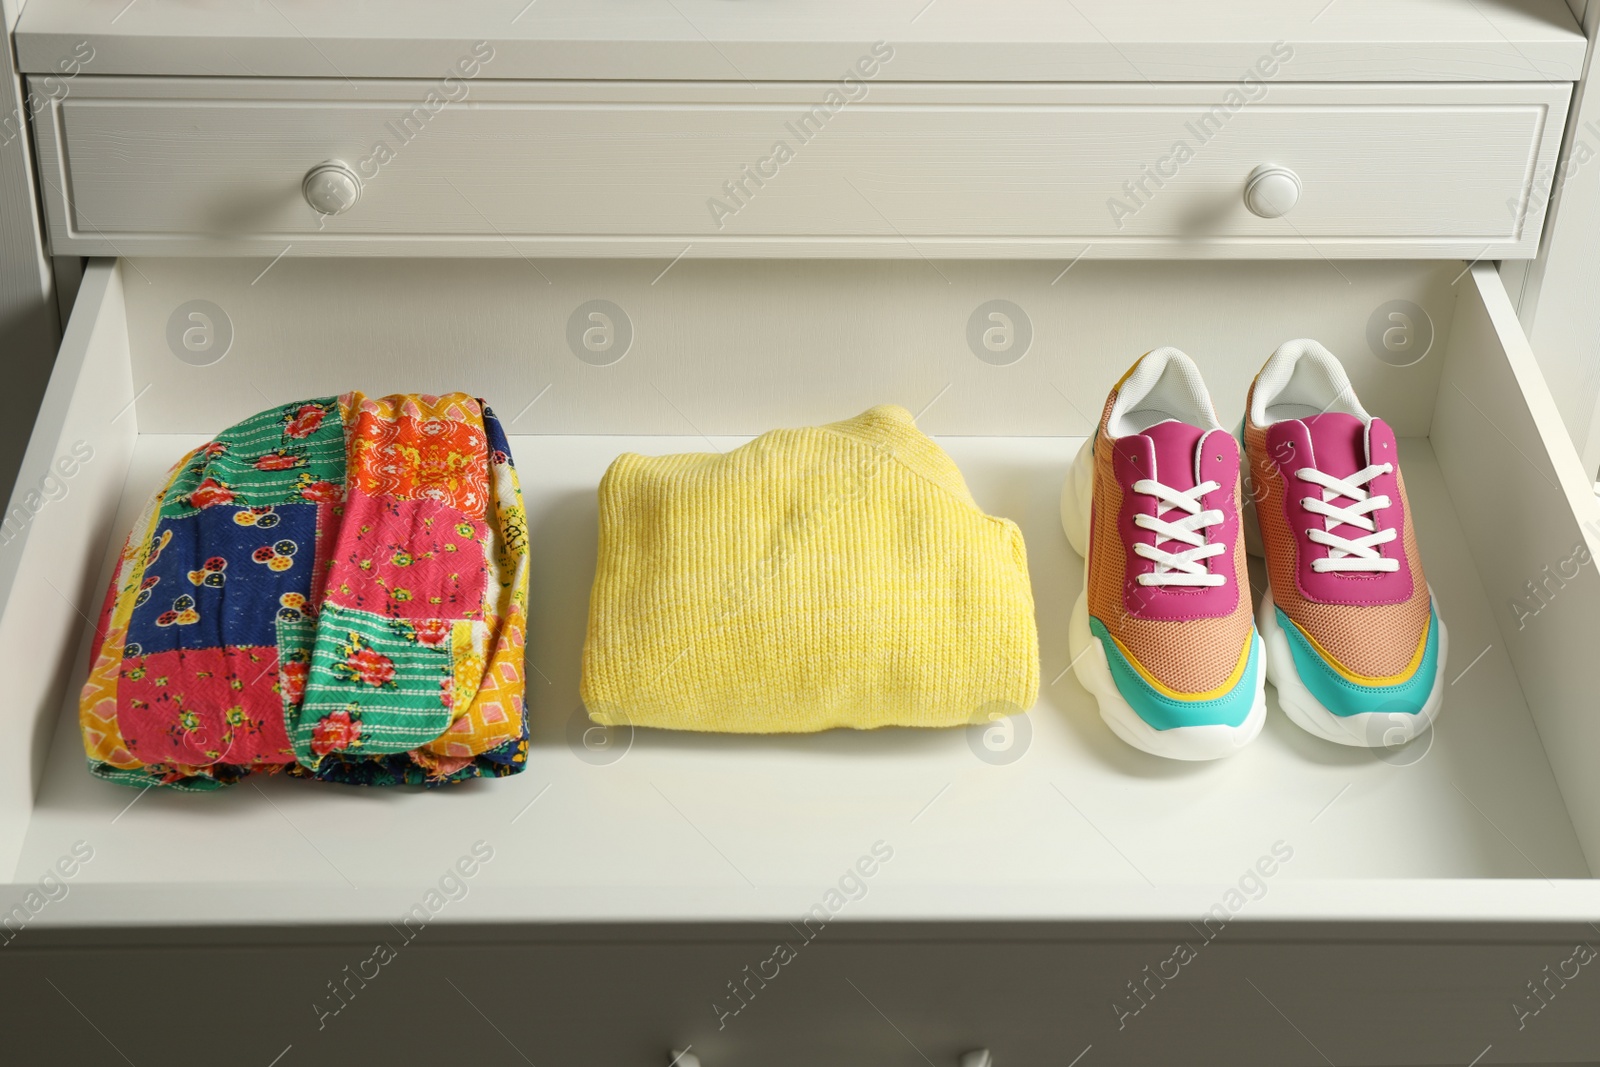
(831, 576)
(335, 589)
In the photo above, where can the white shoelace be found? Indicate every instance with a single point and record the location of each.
(1186, 567)
(1349, 554)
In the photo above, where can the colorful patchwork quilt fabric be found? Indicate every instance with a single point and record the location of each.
(335, 589)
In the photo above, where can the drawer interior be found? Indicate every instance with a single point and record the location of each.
(1492, 810)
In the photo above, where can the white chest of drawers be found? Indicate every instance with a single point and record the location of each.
(637, 894)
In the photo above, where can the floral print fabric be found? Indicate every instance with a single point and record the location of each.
(334, 588)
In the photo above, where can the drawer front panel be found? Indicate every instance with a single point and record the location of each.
(842, 999)
(211, 167)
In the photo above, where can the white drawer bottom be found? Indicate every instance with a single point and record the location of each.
(734, 826)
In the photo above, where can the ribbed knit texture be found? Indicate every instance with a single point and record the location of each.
(839, 575)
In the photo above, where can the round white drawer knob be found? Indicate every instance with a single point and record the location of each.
(1271, 191)
(331, 188)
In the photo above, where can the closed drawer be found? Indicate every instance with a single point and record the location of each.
(862, 995)
(160, 166)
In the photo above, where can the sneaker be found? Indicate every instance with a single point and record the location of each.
(1354, 642)
(1162, 635)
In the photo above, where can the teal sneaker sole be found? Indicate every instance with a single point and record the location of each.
(1399, 713)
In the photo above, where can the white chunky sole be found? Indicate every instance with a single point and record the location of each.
(1377, 729)
(1094, 673)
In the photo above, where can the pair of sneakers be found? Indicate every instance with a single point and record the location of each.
(1163, 635)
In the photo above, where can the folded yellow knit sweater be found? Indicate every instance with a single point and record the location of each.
(837, 575)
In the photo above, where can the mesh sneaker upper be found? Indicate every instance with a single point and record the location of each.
(1371, 639)
(1194, 654)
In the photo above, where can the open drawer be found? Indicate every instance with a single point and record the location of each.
(1049, 834)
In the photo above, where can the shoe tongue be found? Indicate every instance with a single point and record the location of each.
(1175, 443)
(1339, 442)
